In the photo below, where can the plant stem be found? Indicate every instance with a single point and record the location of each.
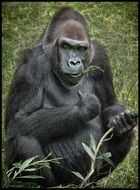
(93, 161)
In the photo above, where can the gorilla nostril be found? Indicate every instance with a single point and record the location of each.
(78, 62)
(73, 63)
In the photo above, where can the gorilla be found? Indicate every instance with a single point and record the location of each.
(54, 107)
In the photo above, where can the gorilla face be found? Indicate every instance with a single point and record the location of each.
(72, 59)
(71, 52)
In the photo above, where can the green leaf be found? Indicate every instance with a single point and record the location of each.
(88, 150)
(105, 157)
(15, 184)
(92, 69)
(26, 163)
(78, 175)
(10, 171)
(19, 184)
(17, 164)
(49, 155)
(15, 174)
(31, 169)
(9, 174)
(47, 165)
(92, 142)
(31, 177)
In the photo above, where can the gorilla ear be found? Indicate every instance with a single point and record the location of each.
(91, 52)
(49, 47)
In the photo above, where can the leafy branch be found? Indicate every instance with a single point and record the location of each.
(96, 149)
(92, 69)
(28, 165)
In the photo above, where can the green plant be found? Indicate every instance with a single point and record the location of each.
(92, 69)
(93, 151)
(12, 178)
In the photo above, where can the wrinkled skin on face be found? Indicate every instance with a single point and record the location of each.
(74, 52)
(73, 60)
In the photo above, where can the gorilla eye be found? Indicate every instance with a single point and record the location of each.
(85, 48)
(82, 48)
(65, 46)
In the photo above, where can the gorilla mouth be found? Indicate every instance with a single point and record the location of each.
(73, 78)
(74, 75)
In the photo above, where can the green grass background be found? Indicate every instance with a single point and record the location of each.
(114, 24)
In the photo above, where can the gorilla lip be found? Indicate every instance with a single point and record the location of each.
(74, 76)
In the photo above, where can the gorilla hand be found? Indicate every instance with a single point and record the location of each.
(89, 106)
(123, 123)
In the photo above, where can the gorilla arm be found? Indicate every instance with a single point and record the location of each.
(104, 89)
(113, 114)
(29, 118)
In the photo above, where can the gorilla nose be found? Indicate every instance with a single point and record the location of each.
(74, 62)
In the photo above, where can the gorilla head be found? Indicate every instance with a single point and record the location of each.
(68, 43)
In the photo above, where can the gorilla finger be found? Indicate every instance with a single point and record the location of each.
(135, 115)
(119, 121)
(123, 118)
(80, 94)
(114, 122)
(123, 126)
(117, 129)
(135, 119)
(126, 125)
(130, 119)
(131, 115)
(128, 115)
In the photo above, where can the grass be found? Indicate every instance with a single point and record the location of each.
(114, 24)
(126, 174)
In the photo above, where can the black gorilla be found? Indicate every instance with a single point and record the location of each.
(54, 107)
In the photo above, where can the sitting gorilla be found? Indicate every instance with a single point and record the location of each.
(54, 107)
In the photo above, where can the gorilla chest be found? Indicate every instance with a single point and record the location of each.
(58, 96)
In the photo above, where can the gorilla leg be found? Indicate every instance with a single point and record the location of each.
(27, 147)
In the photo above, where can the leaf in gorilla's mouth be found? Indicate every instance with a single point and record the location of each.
(92, 69)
